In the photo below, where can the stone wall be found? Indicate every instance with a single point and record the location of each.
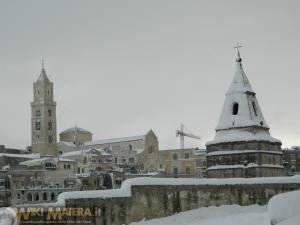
(160, 201)
(245, 145)
(155, 201)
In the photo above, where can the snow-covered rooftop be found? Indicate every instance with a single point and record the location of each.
(37, 162)
(241, 113)
(27, 156)
(85, 151)
(67, 143)
(115, 140)
(235, 135)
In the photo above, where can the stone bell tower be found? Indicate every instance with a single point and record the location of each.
(243, 145)
(43, 117)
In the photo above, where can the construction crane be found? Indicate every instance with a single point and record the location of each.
(183, 134)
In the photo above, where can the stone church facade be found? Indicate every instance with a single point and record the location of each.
(243, 146)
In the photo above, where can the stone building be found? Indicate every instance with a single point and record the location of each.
(95, 180)
(243, 146)
(40, 190)
(188, 162)
(5, 189)
(43, 117)
(87, 160)
(140, 151)
(55, 168)
(291, 160)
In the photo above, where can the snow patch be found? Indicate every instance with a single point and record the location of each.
(284, 206)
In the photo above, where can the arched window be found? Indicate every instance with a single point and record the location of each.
(29, 197)
(52, 197)
(45, 197)
(235, 108)
(36, 197)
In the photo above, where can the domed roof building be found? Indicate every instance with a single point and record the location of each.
(76, 135)
(243, 146)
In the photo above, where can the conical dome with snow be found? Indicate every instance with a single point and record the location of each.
(241, 118)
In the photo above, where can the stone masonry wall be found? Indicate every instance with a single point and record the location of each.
(155, 201)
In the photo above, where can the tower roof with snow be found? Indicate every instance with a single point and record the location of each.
(241, 118)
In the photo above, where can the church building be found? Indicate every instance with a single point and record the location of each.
(243, 146)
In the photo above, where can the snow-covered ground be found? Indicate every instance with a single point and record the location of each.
(284, 209)
(223, 215)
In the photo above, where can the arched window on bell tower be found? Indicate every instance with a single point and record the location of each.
(235, 108)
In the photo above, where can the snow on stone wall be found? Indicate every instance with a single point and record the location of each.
(151, 198)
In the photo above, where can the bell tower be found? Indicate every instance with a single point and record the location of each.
(43, 117)
(243, 145)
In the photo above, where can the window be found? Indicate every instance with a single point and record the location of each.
(36, 197)
(52, 197)
(49, 113)
(68, 167)
(45, 197)
(48, 165)
(130, 147)
(50, 139)
(175, 171)
(175, 156)
(254, 108)
(78, 170)
(187, 155)
(65, 166)
(38, 112)
(131, 160)
(82, 170)
(38, 136)
(38, 125)
(187, 170)
(49, 125)
(235, 108)
(116, 160)
(29, 197)
(38, 92)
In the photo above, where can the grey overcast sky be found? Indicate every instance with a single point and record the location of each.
(122, 67)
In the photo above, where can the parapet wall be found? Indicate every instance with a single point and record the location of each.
(148, 198)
